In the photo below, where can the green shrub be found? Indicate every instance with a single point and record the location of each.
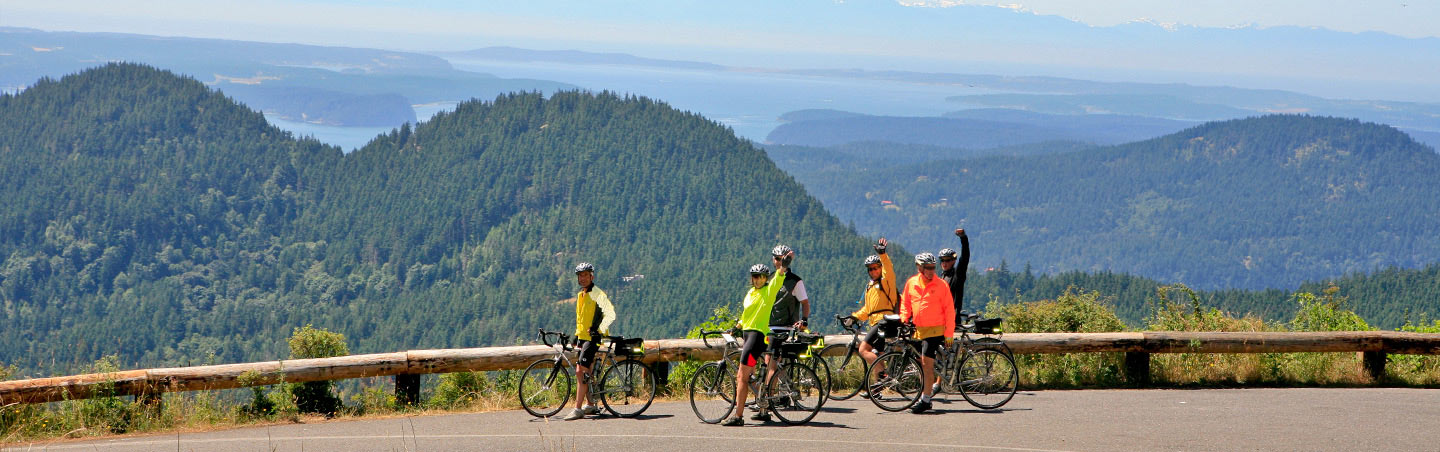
(721, 318)
(1068, 313)
(459, 389)
(316, 396)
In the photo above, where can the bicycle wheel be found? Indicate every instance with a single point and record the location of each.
(796, 394)
(712, 393)
(898, 385)
(822, 370)
(988, 378)
(847, 371)
(627, 388)
(545, 387)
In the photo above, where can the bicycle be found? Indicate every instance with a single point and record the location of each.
(794, 394)
(626, 389)
(846, 370)
(985, 373)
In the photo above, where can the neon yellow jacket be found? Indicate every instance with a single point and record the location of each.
(759, 302)
(880, 297)
(586, 313)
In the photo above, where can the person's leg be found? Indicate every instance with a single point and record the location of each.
(742, 389)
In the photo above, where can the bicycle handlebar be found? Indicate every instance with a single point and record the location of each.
(561, 338)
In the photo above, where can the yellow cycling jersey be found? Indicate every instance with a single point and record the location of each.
(592, 308)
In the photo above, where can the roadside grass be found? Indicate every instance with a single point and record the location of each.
(1176, 308)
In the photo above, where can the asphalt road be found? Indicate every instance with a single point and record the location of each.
(1094, 420)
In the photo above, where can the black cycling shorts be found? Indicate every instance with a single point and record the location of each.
(930, 346)
(876, 341)
(587, 352)
(752, 350)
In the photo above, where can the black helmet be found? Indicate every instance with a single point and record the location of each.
(759, 269)
(874, 259)
(947, 253)
(584, 267)
(925, 259)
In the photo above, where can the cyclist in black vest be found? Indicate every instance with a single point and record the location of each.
(955, 269)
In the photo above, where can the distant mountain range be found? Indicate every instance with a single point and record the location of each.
(1251, 204)
(575, 57)
(324, 85)
(968, 129)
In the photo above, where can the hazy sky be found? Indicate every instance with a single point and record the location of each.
(1019, 37)
(736, 23)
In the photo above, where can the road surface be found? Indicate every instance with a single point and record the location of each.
(1308, 419)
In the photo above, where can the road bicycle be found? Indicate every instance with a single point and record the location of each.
(845, 366)
(794, 395)
(626, 389)
(981, 369)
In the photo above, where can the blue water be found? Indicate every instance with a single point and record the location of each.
(750, 103)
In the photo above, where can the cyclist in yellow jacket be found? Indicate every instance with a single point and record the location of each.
(927, 304)
(593, 316)
(880, 300)
(754, 324)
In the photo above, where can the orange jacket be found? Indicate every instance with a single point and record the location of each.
(928, 304)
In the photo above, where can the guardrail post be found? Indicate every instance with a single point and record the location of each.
(1137, 368)
(1374, 365)
(662, 375)
(407, 389)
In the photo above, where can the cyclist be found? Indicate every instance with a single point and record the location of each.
(926, 303)
(880, 299)
(754, 322)
(791, 311)
(593, 316)
(954, 271)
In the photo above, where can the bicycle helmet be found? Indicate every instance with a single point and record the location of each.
(872, 260)
(925, 259)
(947, 253)
(584, 267)
(759, 269)
(780, 250)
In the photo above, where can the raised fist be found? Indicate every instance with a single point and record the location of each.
(960, 232)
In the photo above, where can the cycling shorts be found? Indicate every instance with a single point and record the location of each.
(875, 339)
(753, 348)
(587, 352)
(930, 346)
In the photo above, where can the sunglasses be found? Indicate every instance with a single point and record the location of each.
(872, 268)
(948, 260)
(928, 267)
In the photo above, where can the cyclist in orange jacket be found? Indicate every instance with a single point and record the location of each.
(926, 303)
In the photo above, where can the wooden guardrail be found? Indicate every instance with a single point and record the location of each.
(1374, 345)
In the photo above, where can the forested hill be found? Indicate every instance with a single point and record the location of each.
(1249, 204)
(148, 217)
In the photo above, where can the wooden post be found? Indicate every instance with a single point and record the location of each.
(1137, 368)
(662, 375)
(407, 389)
(1374, 365)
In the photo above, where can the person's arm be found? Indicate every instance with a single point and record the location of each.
(964, 262)
(947, 308)
(905, 304)
(602, 302)
(799, 293)
(887, 280)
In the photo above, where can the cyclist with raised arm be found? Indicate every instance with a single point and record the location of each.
(754, 324)
(926, 303)
(954, 269)
(593, 315)
(791, 311)
(880, 299)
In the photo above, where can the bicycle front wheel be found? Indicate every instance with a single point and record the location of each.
(796, 394)
(627, 388)
(545, 387)
(712, 393)
(847, 371)
(898, 383)
(988, 378)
